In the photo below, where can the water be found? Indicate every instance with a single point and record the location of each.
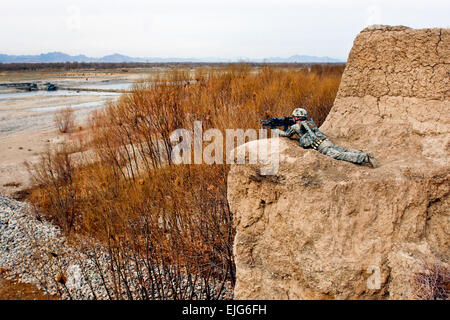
(4, 97)
(115, 86)
(101, 86)
(11, 95)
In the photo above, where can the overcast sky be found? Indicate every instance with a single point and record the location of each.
(203, 28)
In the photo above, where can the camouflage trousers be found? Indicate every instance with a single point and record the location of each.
(339, 153)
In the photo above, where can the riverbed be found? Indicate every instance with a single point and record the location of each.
(27, 126)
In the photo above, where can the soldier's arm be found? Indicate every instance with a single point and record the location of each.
(288, 133)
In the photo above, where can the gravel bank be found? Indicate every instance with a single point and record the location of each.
(34, 251)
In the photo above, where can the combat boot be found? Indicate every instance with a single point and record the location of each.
(371, 160)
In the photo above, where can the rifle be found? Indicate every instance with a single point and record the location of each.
(278, 122)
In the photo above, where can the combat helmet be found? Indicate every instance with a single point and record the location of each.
(301, 113)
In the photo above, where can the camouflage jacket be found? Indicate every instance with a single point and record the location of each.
(306, 130)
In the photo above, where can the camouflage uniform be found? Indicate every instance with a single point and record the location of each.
(311, 137)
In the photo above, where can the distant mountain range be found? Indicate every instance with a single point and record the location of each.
(63, 57)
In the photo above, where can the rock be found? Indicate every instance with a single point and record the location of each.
(326, 229)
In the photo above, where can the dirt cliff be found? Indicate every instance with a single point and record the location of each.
(326, 229)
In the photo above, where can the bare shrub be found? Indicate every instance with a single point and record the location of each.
(65, 120)
(433, 283)
(54, 174)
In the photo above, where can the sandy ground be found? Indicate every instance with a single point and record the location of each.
(36, 113)
(18, 148)
(27, 129)
(7, 106)
(24, 135)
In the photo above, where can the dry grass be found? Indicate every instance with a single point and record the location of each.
(175, 216)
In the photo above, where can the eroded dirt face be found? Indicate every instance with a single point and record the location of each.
(321, 228)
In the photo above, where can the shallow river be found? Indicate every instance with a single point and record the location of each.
(4, 97)
(21, 111)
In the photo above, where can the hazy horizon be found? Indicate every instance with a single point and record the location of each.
(199, 29)
(194, 58)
